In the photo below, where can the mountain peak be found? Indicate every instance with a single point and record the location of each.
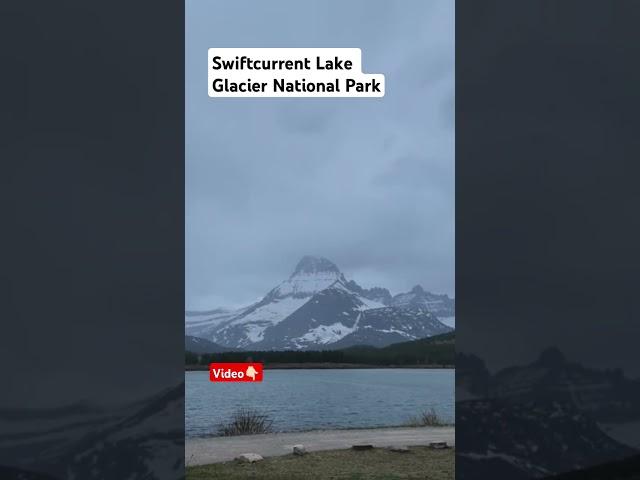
(310, 265)
(417, 289)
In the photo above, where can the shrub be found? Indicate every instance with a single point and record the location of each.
(246, 421)
(426, 418)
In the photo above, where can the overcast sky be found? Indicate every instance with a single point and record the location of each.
(367, 183)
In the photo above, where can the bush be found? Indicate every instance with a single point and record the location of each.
(246, 421)
(427, 418)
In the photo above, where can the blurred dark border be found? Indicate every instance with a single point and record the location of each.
(92, 268)
(92, 159)
(547, 258)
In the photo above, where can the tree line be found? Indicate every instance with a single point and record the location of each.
(436, 351)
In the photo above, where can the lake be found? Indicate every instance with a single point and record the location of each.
(321, 399)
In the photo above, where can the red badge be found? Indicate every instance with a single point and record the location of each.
(235, 372)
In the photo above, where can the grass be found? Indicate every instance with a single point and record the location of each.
(246, 421)
(427, 418)
(376, 464)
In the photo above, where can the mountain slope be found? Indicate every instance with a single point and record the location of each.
(202, 324)
(384, 326)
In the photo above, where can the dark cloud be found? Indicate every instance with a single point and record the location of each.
(368, 183)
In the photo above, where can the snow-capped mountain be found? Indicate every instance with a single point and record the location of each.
(440, 305)
(316, 307)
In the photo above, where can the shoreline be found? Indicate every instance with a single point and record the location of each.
(319, 430)
(204, 451)
(329, 366)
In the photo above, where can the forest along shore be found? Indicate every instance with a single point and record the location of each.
(432, 352)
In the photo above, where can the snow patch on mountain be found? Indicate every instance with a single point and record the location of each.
(272, 312)
(325, 334)
(305, 284)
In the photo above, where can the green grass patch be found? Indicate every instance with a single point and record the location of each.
(376, 464)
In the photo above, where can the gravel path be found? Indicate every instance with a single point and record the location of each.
(202, 451)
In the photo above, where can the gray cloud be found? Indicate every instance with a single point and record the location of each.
(368, 183)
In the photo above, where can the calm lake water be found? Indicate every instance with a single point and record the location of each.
(315, 399)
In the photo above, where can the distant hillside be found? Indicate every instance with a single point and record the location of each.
(446, 340)
(200, 345)
(439, 349)
(436, 351)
